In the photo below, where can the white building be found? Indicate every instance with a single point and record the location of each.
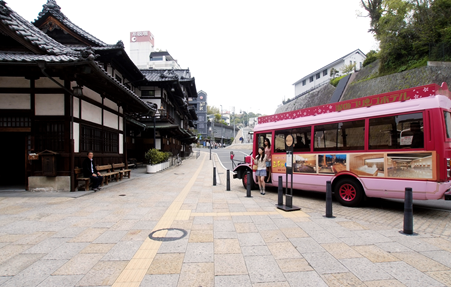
(162, 61)
(141, 45)
(323, 75)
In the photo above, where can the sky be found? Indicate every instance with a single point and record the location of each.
(244, 54)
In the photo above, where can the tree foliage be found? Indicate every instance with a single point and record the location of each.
(346, 69)
(211, 110)
(407, 29)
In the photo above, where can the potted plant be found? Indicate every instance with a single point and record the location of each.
(169, 155)
(154, 158)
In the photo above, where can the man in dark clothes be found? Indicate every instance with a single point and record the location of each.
(89, 170)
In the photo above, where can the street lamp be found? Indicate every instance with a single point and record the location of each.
(159, 113)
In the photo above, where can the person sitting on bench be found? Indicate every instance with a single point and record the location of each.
(89, 170)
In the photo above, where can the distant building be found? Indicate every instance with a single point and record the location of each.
(142, 43)
(322, 76)
(162, 61)
(200, 105)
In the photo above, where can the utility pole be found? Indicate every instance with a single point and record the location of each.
(222, 128)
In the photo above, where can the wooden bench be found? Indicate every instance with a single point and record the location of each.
(79, 177)
(133, 163)
(108, 173)
(120, 167)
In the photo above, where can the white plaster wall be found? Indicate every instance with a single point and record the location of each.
(15, 101)
(76, 135)
(91, 113)
(110, 120)
(49, 105)
(121, 123)
(121, 110)
(110, 104)
(109, 69)
(116, 73)
(121, 143)
(14, 82)
(156, 101)
(47, 83)
(76, 107)
(158, 143)
(89, 93)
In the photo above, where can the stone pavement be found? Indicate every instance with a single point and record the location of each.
(175, 229)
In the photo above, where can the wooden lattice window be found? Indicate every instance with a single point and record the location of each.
(50, 135)
(15, 122)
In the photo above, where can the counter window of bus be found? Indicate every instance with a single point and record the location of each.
(301, 138)
(447, 123)
(397, 132)
(261, 139)
(340, 136)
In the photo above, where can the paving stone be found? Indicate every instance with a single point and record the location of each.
(256, 250)
(234, 280)
(261, 219)
(110, 236)
(242, 219)
(441, 276)
(4, 279)
(323, 236)
(384, 283)
(324, 263)
(219, 235)
(199, 252)
(273, 236)
(10, 238)
(123, 250)
(365, 270)
(341, 250)
(35, 273)
(294, 265)
(351, 225)
(420, 261)
(104, 273)
(69, 232)
(309, 226)
(263, 269)
(269, 226)
(18, 263)
(35, 238)
(250, 239)
(88, 235)
(282, 250)
(272, 284)
(66, 251)
(11, 250)
(229, 264)
(393, 247)
(197, 274)
(439, 242)
(47, 245)
(343, 279)
(61, 281)
(407, 275)
(201, 236)
(177, 246)
(295, 232)
(245, 227)
(284, 223)
(167, 263)
(375, 254)
(136, 234)
(305, 279)
(160, 280)
(415, 244)
(101, 248)
(79, 264)
(202, 227)
(304, 245)
(442, 256)
(227, 246)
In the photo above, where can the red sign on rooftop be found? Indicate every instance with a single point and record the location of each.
(391, 97)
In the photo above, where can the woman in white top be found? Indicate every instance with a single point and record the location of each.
(260, 161)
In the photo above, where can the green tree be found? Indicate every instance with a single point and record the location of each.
(217, 117)
(211, 110)
(346, 69)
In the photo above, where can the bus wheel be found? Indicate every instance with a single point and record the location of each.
(245, 181)
(349, 192)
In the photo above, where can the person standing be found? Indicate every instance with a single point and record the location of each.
(267, 145)
(89, 170)
(260, 161)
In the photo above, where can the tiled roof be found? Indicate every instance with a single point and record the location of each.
(25, 57)
(52, 8)
(166, 75)
(30, 33)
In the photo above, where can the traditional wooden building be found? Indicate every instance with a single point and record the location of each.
(63, 92)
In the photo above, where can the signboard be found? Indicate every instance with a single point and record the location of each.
(141, 36)
(289, 160)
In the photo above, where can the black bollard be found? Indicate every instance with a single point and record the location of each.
(249, 179)
(408, 212)
(280, 192)
(214, 176)
(228, 180)
(329, 199)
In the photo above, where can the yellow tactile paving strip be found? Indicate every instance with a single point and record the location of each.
(136, 269)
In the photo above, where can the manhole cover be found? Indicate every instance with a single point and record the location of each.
(178, 231)
(121, 194)
(179, 173)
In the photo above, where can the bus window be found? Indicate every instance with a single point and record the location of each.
(396, 132)
(448, 123)
(340, 136)
(301, 139)
(261, 139)
(279, 140)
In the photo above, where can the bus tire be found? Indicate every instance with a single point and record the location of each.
(244, 180)
(349, 192)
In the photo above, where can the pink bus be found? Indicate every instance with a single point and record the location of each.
(374, 146)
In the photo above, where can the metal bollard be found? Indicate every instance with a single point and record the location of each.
(329, 199)
(408, 211)
(214, 176)
(249, 179)
(228, 180)
(280, 192)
